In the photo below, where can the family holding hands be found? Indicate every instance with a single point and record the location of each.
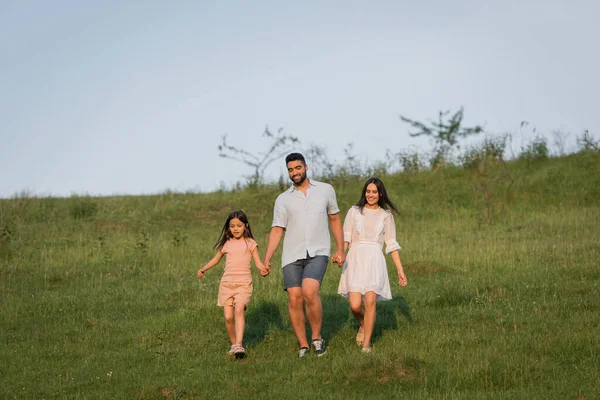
(302, 216)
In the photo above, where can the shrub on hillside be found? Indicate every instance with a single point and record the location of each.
(537, 149)
(82, 207)
(586, 142)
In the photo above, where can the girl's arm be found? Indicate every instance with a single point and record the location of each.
(210, 264)
(263, 270)
(396, 258)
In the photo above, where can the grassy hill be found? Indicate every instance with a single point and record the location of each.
(99, 299)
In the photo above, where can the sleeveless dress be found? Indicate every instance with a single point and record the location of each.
(365, 269)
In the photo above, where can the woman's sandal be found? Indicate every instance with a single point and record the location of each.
(232, 349)
(360, 337)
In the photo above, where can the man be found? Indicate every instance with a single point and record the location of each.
(303, 212)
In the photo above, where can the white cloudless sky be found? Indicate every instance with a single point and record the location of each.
(120, 97)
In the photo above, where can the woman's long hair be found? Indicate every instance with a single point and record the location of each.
(383, 202)
(226, 233)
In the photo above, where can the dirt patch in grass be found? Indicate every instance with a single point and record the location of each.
(388, 369)
(111, 226)
(425, 267)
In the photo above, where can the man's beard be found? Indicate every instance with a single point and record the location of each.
(302, 179)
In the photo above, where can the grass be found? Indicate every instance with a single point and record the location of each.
(99, 299)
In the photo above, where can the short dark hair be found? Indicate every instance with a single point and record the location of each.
(295, 157)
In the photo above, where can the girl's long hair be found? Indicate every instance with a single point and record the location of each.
(226, 233)
(383, 202)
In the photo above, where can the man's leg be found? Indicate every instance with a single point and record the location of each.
(314, 306)
(312, 275)
(292, 283)
(296, 312)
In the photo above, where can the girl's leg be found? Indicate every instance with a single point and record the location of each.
(230, 323)
(355, 299)
(240, 323)
(369, 317)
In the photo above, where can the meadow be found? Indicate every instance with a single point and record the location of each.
(99, 297)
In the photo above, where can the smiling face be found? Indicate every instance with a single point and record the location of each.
(372, 196)
(236, 228)
(297, 171)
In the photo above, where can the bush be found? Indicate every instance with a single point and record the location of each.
(492, 149)
(587, 143)
(537, 149)
(409, 160)
(82, 207)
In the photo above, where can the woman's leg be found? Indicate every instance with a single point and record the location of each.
(355, 299)
(369, 317)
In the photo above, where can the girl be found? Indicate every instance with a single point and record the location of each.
(368, 225)
(238, 245)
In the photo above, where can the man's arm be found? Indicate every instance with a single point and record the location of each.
(274, 238)
(338, 235)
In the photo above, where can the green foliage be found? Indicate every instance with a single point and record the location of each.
(536, 150)
(446, 133)
(410, 161)
(110, 307)
(82, 207)
(492, 149)
(180, 238)
(587, 142)
(8, 232)
(491, 178)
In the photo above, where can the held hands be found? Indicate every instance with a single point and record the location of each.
(339, 257)
(264, 270)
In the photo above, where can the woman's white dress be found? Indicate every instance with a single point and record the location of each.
(365, 269)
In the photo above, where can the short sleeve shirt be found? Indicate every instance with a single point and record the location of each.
(305, 219)
(238, 254)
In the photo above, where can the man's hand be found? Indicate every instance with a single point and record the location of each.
(339, 257)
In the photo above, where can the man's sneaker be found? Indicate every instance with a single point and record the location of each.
(239, 352)
(303, 351)
(319, 346)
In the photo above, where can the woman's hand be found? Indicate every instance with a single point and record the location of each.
(402, 281)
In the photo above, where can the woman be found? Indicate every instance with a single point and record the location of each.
(368, 225)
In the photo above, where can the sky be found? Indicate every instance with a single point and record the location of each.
(126, 98)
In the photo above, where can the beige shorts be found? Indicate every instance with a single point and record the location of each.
(231, 293)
